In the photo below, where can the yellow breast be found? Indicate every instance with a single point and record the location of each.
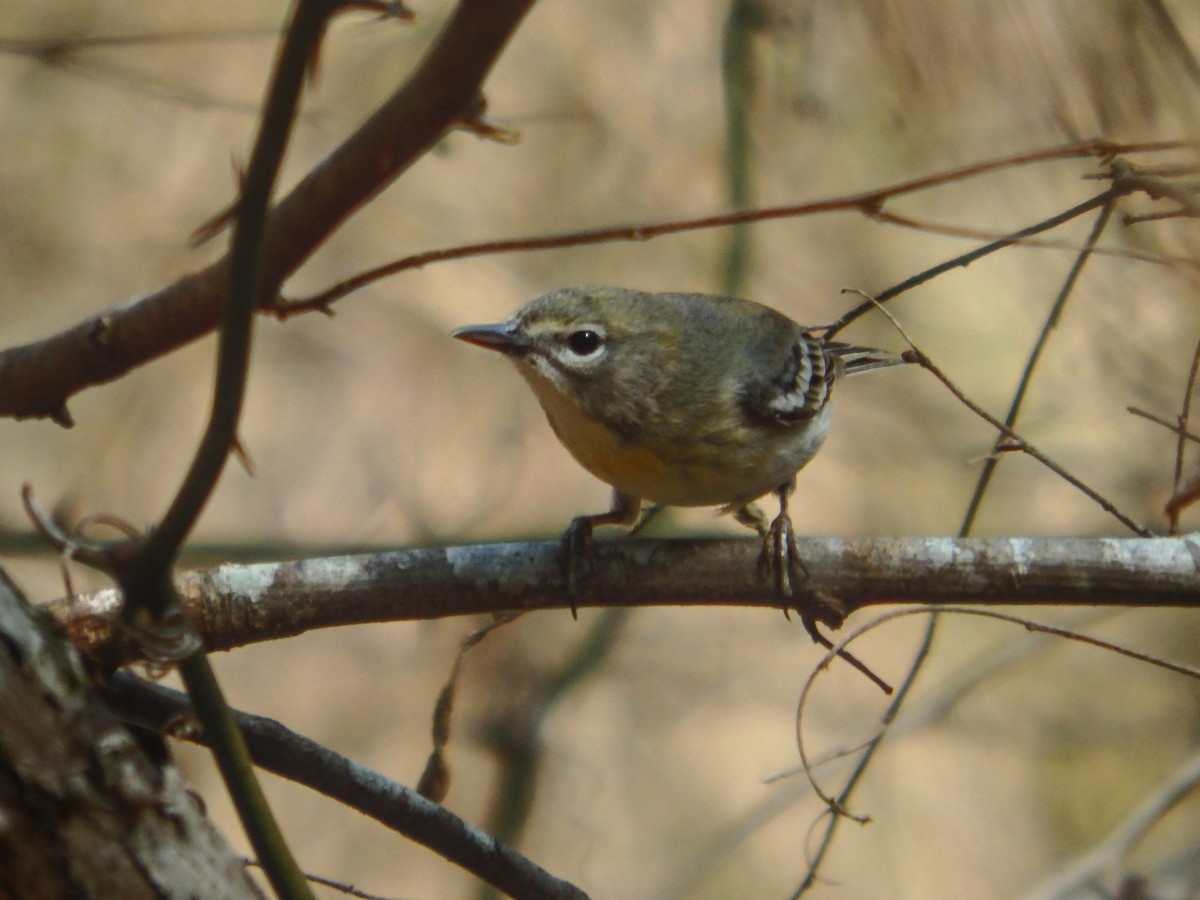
(741, 468)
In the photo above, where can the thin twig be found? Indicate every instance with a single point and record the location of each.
(932, 708)
(1174, 508)
(835, 804)
(868, 202)
(1172, 427)
(983, 234)
(1031, 362)
(967, 258)
(1017, 442)
(150, 595)
(894, 707)
(72, 546)
(434, 782)
(245, 287)
(341, 887)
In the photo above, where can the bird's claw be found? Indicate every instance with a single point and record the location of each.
(781, 564)
(780, 561)
(576, 558)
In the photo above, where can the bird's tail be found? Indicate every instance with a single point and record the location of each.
(852, 360)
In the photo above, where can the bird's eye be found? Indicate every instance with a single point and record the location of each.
(584, 343)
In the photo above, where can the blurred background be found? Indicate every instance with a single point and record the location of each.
(122, 125)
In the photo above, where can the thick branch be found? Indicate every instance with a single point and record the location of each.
(37, 379)
(236, 605)
(86, 812)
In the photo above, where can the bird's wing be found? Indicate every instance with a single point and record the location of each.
(799, 387)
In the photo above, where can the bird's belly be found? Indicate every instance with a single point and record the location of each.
(728, 472)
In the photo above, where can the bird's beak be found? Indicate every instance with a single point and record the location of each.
(504, 337)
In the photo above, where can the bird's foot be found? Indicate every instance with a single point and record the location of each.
(781, 564)
(577, 550)
(577, 558)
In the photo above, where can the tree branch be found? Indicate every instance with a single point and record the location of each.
(290, 755)
(37, 379)
(235, 605)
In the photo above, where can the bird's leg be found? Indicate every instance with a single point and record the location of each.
(781, 562)
(780, 559)
(576, 548)
(780, 555)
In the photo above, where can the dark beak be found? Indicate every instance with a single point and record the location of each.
(503, 337)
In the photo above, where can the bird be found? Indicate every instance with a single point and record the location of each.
(680, 399)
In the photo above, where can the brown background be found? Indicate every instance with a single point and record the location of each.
(374, 428)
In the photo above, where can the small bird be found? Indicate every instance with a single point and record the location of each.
(679, 399)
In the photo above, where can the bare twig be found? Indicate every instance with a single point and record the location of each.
(983, 234)
(435, 779)
(145, 577)
(1024, 446)
(1180, 497)
(835, 805)
(1031, 362)
(1173, 427)
(866, 757)
(966, 259)
(39, 378)
(948, 692)
(341, 887)
(867, 202)
(1014, 440)
(71, 546)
